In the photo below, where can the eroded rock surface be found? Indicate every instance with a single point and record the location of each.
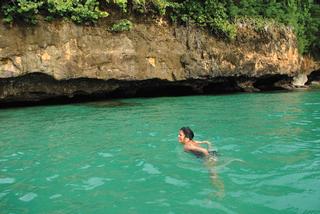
(64, 51)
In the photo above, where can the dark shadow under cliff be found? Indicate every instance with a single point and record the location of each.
(41, 89)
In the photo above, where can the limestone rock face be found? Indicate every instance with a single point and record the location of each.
(65, 51)
(300, 80)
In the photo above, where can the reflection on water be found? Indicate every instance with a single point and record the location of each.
(109, 104)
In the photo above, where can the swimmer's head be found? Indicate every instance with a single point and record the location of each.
(185, 133)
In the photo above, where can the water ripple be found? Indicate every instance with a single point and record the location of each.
(7, 180)
(75, 159)
(28, 197)
(105, 155)
(90, 184)
(210, 204)
(50, 178)
(175, 182)
(149, 168)
(55, 196)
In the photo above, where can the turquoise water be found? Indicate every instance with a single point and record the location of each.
(123, 156)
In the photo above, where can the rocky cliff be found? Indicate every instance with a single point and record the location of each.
(62, 60)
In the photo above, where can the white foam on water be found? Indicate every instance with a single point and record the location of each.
(140, 180)
(7, 180)
(94, 182)
(161, 202)
(149, 168)
(206, 203)
(2, 194)
(140, 163)
(52, 177)
(55, 196)
(175, 182)
(153, 134)
(151, 145)
(85, 166)
(28, 197)
(105, 155)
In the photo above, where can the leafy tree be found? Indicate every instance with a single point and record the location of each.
(211, 14)
(26, 10)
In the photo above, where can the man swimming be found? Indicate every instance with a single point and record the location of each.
(185, 137)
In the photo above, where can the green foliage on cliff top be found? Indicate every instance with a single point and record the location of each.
(302, 15)
(27, 10)
(211, 14)
(218, 16)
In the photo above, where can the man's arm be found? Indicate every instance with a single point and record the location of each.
(198, 149)
(205, 142)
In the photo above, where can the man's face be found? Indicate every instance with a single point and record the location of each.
(181, 137)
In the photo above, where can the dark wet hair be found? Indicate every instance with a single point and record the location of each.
(187, 132)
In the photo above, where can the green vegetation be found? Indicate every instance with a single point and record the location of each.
(122, 25)
(77, 11)
(211, 14)
(302, 15)
(27, 10)
(218, 16)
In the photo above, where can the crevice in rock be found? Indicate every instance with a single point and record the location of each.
(273, 82)
(313, 76)
(222, 85)
(42, 89)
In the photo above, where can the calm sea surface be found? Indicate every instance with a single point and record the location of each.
(122, 156)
